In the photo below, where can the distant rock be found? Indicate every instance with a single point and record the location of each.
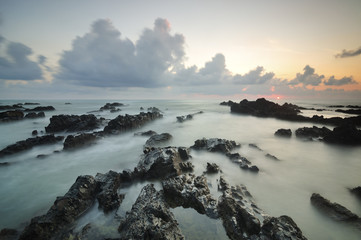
(150, 218)
(314, 132)
(283, 132)
(112, 107)
(333, 210)
(35, 115)
(29, 143)
(11, 116)
(72, 123)
(77, 141)
(31, 103)
(158, 139)
(154, 110)
(10, 107)
(346, 134)
(349, 111)
(187, 117)
(229, 103)
(40, 109)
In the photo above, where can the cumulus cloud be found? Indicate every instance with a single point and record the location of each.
(349, 53)
(332, 81)
(255, 76)
(308, 77)
(101, 58)
(16, 65)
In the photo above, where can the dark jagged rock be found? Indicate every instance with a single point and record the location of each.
(150, 218)
(29, 143)
(34, 132)
(8, 234)
(186, 166)
(158, 139)
(229, 103)
(111, 106)
(271, 156)
(64, 211)
(40, 109)
(159, 163)
(147, 133)
(281, 228)
(11, 115)
(283, 132)
(184, 153)
(190, 191)
(128, 122)
(345, 134)
(10, 107)
(187, 117)
(108, 197)
(154, 110)
(81, 140)
(32, 115)
(314, 132)
(72, 123)
(356, 191)
(290, 112)
(333, 210)
(212, 168)
(215, 145)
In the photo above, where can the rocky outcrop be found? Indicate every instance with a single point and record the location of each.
(108, 197)
(40, 109)
(158, 139)
(11, 115)
(212, 168)
(187, 117)
(283, 133)
(128, 122)
(356, 191)
(81, 140)
(314, 132)
(112, 107)
(10, 107)
(72, 123)
(64, 211)
(281, 228)
(150, 218)
(346, 134)
(32, 115)
(333, 210)
(159, 163)
(190, 191)
(184, 153)
(29, 143)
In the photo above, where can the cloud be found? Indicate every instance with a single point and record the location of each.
(101, 58)
(308, 77)
(332, 81)
(255, 76)
(349, 53)
(16, 65)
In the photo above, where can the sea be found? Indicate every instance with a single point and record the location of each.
(30, 185)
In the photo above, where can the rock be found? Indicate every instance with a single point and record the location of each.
(8, 234)
(184, 153)
(11, 115)
(29, 143)
(128, 122)
(154, 110)
(150, 218)
(252, 145)
(253, 168)
(229, 103)
(190, 191)
(281, 228)
(112, 106)
(349, 111)
(64, 211)
(4, 164)
(314, 132)
(271, 156)
(81, 140)
(40, 109)
(215, 145)
(187, 117)
(186, 166)
(147, 133)
(108, 197)
(333, 210)
(346, 134)
(34, 132)
(31, 103)
(356, 191)
(158, 139)
(159, 163)
(33, 115)
(10, 107)
(72, 123)
(283, 133)
(212, 168)
(41, 156)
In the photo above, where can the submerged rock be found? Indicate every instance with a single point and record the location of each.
(81, 140)
(333, 210)
(64, 211)
(72, 123)
(190, 191)
(284, 132)
(40, 109)
(187, 117)
(33, 115)
(147, 133)
(150, 218)
(29, 143)
(314, 132)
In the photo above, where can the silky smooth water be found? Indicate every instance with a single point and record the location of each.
(29, 186)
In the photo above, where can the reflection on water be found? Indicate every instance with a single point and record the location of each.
(29, 186)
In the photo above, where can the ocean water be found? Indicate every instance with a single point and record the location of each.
(29, 186)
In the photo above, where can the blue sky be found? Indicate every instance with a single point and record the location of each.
(185, 49)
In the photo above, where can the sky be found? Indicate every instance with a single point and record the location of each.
(115, 49)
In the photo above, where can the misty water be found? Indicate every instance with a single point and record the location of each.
(29, 185)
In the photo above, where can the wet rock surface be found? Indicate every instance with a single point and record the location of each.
(72, 123)
(283, 133)
(190, 191)
(30, 143)
(84, 139)
(158, 139)
(150, 218)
